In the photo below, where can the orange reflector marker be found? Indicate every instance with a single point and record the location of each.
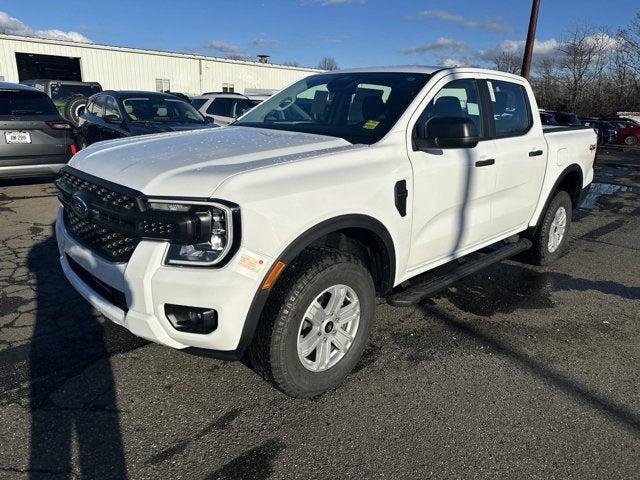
(275, 272)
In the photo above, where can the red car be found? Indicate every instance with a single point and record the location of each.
(628, 131)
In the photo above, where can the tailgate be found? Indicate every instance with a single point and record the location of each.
(31, 138)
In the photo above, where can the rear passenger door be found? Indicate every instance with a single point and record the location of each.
(520, 154)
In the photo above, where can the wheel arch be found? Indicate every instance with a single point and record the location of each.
(347, 231)
(571, 180)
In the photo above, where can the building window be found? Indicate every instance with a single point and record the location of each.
(162, 85)
(227, 88)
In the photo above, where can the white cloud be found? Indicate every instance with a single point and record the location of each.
(223, 47)
(440, 44)
(490, 24)
(541, 48)
(12, 26)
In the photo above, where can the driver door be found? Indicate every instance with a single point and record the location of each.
(452, 187)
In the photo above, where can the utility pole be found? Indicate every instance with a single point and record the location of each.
(531, 37)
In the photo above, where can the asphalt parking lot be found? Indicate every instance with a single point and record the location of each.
(517, 372)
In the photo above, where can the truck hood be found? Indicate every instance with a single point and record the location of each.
(195, 163)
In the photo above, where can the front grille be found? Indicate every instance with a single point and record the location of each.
(114, 219)
(106, 196)
(112, 245)
(110, 294)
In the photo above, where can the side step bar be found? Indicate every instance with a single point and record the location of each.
(419, 292)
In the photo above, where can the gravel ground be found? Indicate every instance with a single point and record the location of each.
(516, 372)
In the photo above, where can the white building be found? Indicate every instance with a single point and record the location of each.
(120, 68)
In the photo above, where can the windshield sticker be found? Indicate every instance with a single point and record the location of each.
(371, 124)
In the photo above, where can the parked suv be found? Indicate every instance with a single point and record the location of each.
(223, 108)
(271, 238)
(70, 97)
(34, 139)
(112, 114)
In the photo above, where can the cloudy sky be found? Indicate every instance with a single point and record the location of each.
(355, 32)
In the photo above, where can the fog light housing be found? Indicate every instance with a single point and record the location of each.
(191, 319)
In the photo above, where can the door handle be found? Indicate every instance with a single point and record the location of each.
(485, 163)
(535, 153)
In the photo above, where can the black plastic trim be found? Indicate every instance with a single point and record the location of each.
(571, 168)
(400, 195)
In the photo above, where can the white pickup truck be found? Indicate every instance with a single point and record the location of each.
(270, 239)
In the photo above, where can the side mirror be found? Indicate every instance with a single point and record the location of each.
(113, 119)
(446, 132)
(209, 120)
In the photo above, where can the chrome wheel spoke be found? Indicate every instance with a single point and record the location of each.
(342, 340)
(348, 313)
(316, 314)
(338, 296)
(309, 343)
(323, 355)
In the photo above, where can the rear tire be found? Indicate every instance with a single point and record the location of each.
(74, 108)
(550, 239)
(300, 314)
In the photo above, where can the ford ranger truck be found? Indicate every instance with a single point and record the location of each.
(270, 239)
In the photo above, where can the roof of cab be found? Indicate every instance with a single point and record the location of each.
(17, 86)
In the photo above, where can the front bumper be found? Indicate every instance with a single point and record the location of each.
(148, 285)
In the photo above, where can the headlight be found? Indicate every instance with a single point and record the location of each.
(215, 225)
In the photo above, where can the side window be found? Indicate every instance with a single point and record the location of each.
(510, 108)
(458, 98)
(111, 108)
(221, 106)
(97, 108)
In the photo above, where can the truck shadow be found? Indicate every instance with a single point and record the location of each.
(71, 381)
(580, 393)
(509, 286)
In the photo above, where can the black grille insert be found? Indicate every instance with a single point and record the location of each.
(110, 294)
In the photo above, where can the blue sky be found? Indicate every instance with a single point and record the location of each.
(355, 32)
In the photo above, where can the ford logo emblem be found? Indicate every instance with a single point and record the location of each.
(80, 206)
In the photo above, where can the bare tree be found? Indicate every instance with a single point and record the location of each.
(328, 63)
(581, 50)
(508, 62)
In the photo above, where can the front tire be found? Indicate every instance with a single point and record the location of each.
(551, 237)
(630, 140)
(316, 325)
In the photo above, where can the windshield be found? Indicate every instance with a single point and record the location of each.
(159, 109)
(21, 102)
(359, 107)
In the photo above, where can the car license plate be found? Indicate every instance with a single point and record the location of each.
(17, 137)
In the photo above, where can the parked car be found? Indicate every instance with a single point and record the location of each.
(271, 238)
(548, 118)
(567, 119)
(607, 132)
(111, 114)
(69, 97)
(628, 131)
(223, 107)
(34, 139)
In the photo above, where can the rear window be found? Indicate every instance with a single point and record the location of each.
(198, 102)
(20, 102)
